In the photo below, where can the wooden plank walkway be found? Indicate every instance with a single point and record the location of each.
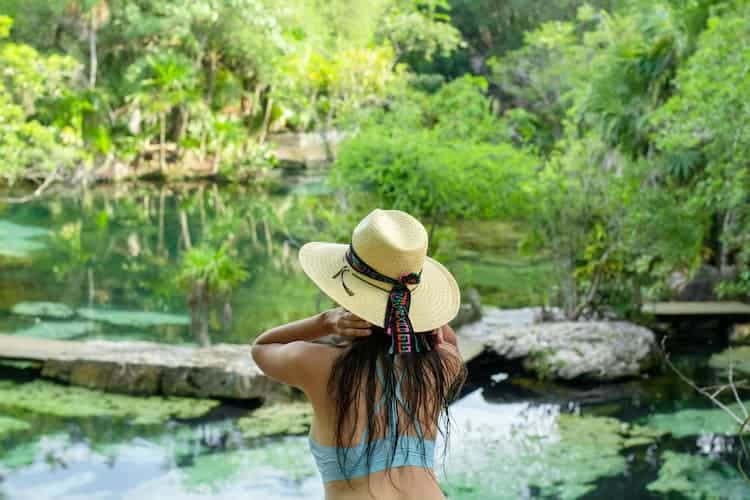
(724, 308)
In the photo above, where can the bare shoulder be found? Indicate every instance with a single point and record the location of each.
(299, 363)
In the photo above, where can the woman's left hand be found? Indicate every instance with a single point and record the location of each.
(339, 321)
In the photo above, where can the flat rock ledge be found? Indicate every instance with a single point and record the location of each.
(219, 371)
(588, 350)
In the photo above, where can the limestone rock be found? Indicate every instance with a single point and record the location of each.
(470, 310)
(219, 371)
(591, 350)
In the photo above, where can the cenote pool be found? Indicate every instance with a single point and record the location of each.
(108, 258)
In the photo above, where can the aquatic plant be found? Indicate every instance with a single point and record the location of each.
(47, 398)
(20, 241)
(137, 319)
(698, 478)
(58, 329)
(564, 461)
(10, 425)
(44, 309)
(694, 421)
(737, 357)
(279, 419)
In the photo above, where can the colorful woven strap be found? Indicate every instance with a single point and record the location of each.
(397, 323)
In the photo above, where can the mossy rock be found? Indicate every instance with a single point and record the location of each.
(695, 421)
(47, 398)
(10, 425)
(286, 419)
(738, 357)
(698, 478)
(137, 319)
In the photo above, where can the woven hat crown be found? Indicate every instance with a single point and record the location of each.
(392, 242)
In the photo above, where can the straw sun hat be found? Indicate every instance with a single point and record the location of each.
(393, 244)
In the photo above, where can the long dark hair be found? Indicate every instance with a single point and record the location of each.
(431, 381)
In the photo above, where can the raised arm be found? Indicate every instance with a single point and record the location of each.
(286, 353)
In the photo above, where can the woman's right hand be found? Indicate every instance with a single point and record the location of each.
(339, 321)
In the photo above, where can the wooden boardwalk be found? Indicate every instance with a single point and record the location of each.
(726, 308)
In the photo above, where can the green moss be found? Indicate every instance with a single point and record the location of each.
(46, 398)
(133, 318)
(565, 464)
(693, 421)
(739, 357)
(279, 419)
(10, 425)
(698, 478)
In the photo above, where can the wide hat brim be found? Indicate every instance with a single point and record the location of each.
(434, 301)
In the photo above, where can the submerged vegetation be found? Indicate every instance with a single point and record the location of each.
(46, 398)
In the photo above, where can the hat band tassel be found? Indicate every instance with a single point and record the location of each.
(397, 322)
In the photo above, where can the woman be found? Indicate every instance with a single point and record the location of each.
(377, 398)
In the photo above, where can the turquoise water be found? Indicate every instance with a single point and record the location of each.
(110, 257)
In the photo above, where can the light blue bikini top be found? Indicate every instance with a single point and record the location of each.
(411, 450)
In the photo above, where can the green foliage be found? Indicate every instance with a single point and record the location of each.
(206, 81)
(435, 156)
(26, 79)
(706, 123)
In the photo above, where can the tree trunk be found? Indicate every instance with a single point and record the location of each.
(216, 161)
(160, 244)
(162, 142)
(266, 120)
(213, 59)
(93, 62)
(269, 237)
(185, 230)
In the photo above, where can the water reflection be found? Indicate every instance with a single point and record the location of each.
(120, 250)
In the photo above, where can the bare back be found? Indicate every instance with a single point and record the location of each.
(401, 483)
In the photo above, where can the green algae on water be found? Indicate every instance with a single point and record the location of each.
(698, 478)
(46, 398)
(20, 241)
(287, 458)
(738, 357)
(694, 421)
(278, 419)
(136, 319)
(43, 309)
(10, 426)
(564, 465)
(58, 330)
